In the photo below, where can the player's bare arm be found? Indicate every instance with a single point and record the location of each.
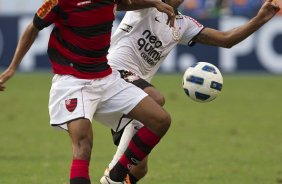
(141, 4)
(24, 45)
(227, 39)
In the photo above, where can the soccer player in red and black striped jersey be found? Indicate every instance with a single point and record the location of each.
(84, 83)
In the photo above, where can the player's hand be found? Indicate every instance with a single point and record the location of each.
(268, 10)
(6, 75)
(165, 8)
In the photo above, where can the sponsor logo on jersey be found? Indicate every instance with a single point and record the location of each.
(82, 3)
(136, 127)
(148, 45)
(179, 17)
(125, 27)
(46, 8)
(71, 104)
(157, 19)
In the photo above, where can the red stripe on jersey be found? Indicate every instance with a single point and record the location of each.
(54, 43)
(91, 17)
(51, 17)
(90, 43)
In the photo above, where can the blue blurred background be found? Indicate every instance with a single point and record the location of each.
(261, 52)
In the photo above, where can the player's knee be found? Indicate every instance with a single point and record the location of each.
(81, 135)
(160, 100)
(163, 123)
(166, 121)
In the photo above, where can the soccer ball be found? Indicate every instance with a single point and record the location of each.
(202, 82)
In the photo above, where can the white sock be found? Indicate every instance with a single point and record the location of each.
(127, 135)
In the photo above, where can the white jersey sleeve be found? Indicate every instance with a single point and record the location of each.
(193, 28)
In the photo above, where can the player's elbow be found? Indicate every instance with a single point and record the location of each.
(228, 41)
(32, 29)
(225, 44)
(228, 45)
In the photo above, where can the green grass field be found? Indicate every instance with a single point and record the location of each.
(236, 139)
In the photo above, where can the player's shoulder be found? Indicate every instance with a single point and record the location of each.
(139, 15)
(144, 10)
(46, 8)
(183, 17)
(187, 20)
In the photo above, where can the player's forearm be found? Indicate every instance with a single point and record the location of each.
(266, 12)
(239, 34)
(137, 4)
(24, 45)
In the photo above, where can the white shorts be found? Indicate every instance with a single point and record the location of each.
(72, 98)
(116, 121)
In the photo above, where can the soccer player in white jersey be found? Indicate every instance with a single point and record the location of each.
(141, 43)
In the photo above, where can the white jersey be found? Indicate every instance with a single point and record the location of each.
(143, 40)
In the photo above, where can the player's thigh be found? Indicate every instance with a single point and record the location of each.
(155, 94)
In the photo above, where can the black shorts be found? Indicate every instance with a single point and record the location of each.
(137, 81)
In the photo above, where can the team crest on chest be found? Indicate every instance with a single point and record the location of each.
(176, 33)
(71, 104)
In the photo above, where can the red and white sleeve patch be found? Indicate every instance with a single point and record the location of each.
(46, 8)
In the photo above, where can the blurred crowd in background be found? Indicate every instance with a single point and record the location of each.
(196, 8)
(214, 8)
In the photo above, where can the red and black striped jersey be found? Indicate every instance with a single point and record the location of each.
(80, 39)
